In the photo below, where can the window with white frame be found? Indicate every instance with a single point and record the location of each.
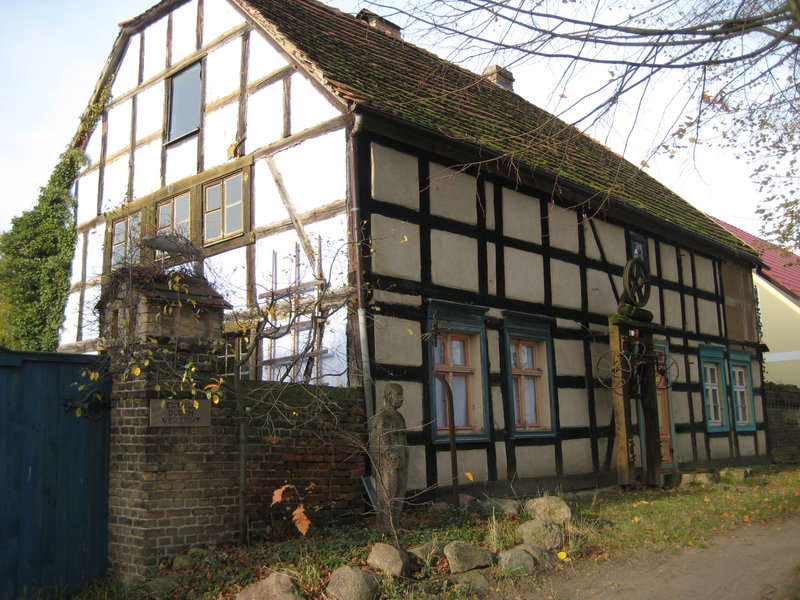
(125, 234)
(742, 390)
(458, 356)
(172, 219)
(223, 209)
(529, 353)
(712, 360)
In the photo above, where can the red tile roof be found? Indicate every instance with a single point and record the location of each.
(783, 267)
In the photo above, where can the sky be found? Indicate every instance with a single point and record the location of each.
(53, 51)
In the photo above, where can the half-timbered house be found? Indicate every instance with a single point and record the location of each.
(476, 238)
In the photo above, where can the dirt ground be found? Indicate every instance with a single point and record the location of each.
(758, 562)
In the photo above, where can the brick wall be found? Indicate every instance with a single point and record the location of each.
(783, 421)
(173, 487)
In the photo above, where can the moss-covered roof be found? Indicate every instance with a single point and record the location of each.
(373, 69)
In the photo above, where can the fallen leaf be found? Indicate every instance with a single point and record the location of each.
(469, 476)
(300, 519)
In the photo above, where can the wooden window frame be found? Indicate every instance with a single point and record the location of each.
(536, 331)
(519, 375)
(740, 361)
(131, 240)
(172, 107)
(222, 209)
(449, 370)
(468, 322)
(714, 357)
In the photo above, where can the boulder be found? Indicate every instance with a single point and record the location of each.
(389, 560)
(464, 556)
(549, 508)
(474, 581)
(506, 506)
(429, 553)
(542, 558)
(465, 500)
(540, 532)
(517, 560)
(278, 586)
(161, 588)
(349, 583)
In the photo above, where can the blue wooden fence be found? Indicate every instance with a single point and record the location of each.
(53, 475)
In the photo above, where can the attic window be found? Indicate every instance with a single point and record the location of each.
(184, 102)
(379, 23)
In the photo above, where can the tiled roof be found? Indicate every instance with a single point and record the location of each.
(376, 70)
(783, 266)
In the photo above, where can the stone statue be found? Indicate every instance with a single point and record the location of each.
(389, 453)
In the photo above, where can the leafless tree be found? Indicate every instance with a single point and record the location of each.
(727, 69)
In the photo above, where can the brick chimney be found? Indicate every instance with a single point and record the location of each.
(500, 76)
(379, 23)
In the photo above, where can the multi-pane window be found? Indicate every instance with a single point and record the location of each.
(172, 217)
(287, 356)
(529, 386)
(451, 356)
(223, 209)
(185, 101)
(125, 235)
(742, 390)
(526, 376)
(234, 356)
(458, 356)
(712, 361)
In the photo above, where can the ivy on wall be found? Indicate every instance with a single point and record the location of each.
(36, 253)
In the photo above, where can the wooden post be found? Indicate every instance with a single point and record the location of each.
(622, 409)
(650, 415)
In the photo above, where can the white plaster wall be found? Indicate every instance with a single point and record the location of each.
(454, 260)
(747, 445)
(488, 206)
(521, 216)
(91, 325)
(669, 263)
(600, 292)
(219, 134)
(577, 456)
(184, 27)
(395, 177)
(680, 406)
(384, 297)
(223, 66)
(672, 309)
(155, 49)
(115, 183)
(569, 357)
(762, 440)
(219, 16)
(535, 461)
(493, 341)
(68, 333)
(603, 405)
(612, 239)
(94, 252)
(592, 250)
(452, 194)
(87, 196)
(691, 322)
(416, 473)
(227, 273)
(498, 409)
(686, 268)
(93, 146)
(119, 127)
(77, 261)
(266, 201)
(147, 169)
(566, 284)
(150, 110)
(707, 312)
(181, 160)
(563, 223)
(682, 446)
(308, 106)
(719, 447)
(395, 248)
(524, 275)
(125, 78)
(264, 117)
(704, 268)
(573, 408)
(469, 461)
(263, 59)
(397, 341)
(412, 403)
(315, 171)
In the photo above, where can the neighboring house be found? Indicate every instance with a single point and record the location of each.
(480, 238)
(777, 283)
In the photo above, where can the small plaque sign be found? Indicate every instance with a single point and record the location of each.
(172, 415)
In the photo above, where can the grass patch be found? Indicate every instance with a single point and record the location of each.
(605, 523)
